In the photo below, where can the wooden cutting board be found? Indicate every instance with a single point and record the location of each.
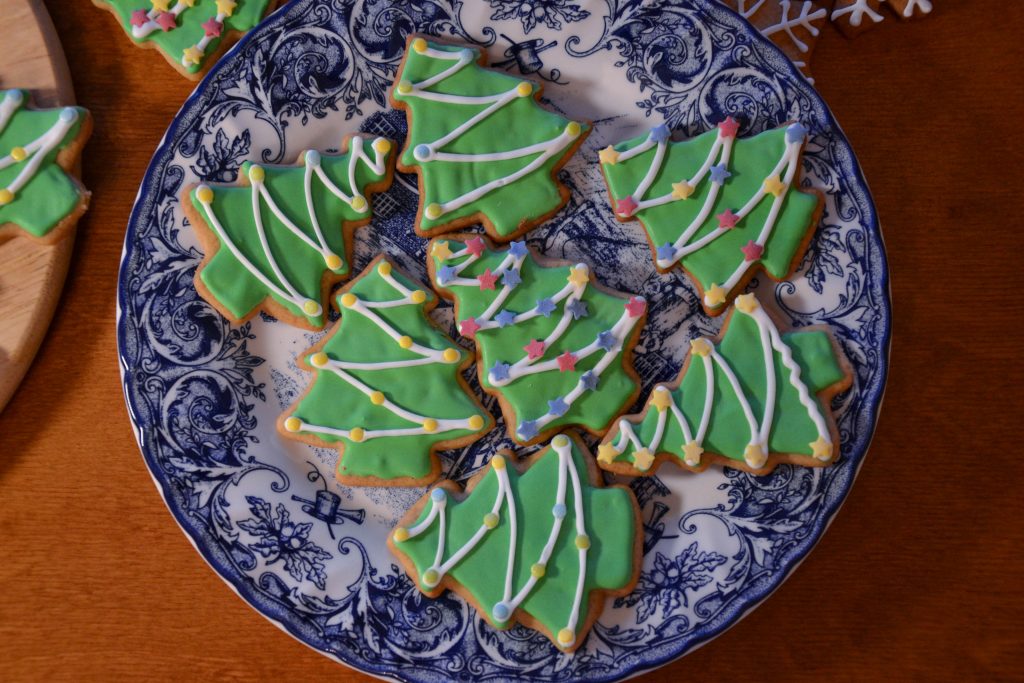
(31, 274)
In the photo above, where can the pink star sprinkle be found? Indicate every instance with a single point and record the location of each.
(140, 18)
(213, 28)
(752, 251)
(487, 279)
(475, 246)
(626, 207)
(636, 306)
(729, 127)
(566, 362)
(535, 349)
(167, 21)
(468, 327)
(727, 219)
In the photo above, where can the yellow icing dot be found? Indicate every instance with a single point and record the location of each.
(18, 154)
(430, 577)
(204, 194)
(384, 268)
(583, 541)
(257, 174)
(310, 307)
(333, 261)
(358, 203)
(356, 434)
(419, 45)
(377, 398)
(490, 520)
(319, 360)
(754, 455)
(430, 425)
(537, 571)
(405, 342)
(381, 146)
(348, 299)
(451, 355)
(404, 87)
(566, 637)
(573, 129)
(498, 462)
(607, 453)
(476, 422)
(560, 441)
(418, 296)
(293, 424)
(401, 534)
(524, 89)
(433, 211)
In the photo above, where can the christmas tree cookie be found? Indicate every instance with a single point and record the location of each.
(553, 346)
(756, 398)
(388, 390)
(484, 149)
(542, 546)
(720, 207)
(191, 34)
(281, 238)
(38, 149)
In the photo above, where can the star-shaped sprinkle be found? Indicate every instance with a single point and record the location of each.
(626, 207)
(729, 127)
(160, 5)
(589, 380)
(682, 190)
(510, 278)
(774, 185)
(822, 448)
(636, 306)
(475, 246)
(661, 399)
(545, 307)
(468, 327)
(535, 349)
(643, 459)
(579, 276)
(796, 133)
(558, 407)
(577, 308)
(692, 452)
(527, 430)
(700, 347)
(714, 296)
(608, 155)
(567, 362)
(746, 303)
(192, 55)
(607, 453)
(499, 371)
(140, 18)
(517, 249)
(727, 219)
(486, 279)
(445, 274)
(606, 340)
(666, 252)
(441, 250)
(212, 27)
(752, 251)
(505, 318)
(226, 7)
(660, 133)
(719, 173)
(166, 21)
(755, 456)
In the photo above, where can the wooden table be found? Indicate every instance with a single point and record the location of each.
(919, 576)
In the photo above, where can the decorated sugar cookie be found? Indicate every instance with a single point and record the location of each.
(38, 149)
(756, 398)
(388, 390)
(282, 238)
(485, 150)
(191, 34)
(543, 545)
(720, 207)
(553, 345)
(793, 26)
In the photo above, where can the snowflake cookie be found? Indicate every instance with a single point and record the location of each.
(792, 26)
(855, 16)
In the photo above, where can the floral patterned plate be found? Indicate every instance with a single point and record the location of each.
(309, 554)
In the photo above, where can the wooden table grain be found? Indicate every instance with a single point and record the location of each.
(920, 575)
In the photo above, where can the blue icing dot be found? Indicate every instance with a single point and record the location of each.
(421, 152)
(438, 495)
(501, 612)
(558, 510)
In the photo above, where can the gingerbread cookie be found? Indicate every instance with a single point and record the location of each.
(720, 207)
(484, 149)
(38, 150)
(281, 238)
(792, 26)
(756, 398)
(190, 34)
(855, 16)
(389, 391)
(544, 546)
(554, 346)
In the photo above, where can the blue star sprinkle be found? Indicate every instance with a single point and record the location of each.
(510, 278)
(545, 307)
(606, 340)
(505, 318)
(660, 133)
(499, 371)
(445, 274)
(578, 309)
(517, 249)
(719, 173)
(666, 252)
(558, 407)
(796, 133)
(589, 380)
(527, 429)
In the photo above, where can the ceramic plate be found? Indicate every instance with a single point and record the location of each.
(309, 554)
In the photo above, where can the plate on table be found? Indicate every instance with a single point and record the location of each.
(267, 514)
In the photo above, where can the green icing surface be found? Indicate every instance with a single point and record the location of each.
(518, 124)
(751, 161)
(190, 31)
(529, 395)
(608, 518)
(792, 430)
(51, 195)
(429, 390)
(232, 283)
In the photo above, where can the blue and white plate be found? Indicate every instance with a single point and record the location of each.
(310, 554)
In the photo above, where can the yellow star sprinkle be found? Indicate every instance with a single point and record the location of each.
(188, 3)
(822, 448)
(755, 456)
(578, 276)
(440, 250)
(161, 5)
(747, 303)
(661, 399)
(714, 296)
(773, 185)
(607, 453)
(608, 155)
(226, 7)
(692, 452)
(700, 347)
(682, 190)
(643, 459)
